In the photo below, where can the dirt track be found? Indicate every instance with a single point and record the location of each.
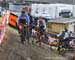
(12, 49)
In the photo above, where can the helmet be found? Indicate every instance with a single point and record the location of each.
(23, 12)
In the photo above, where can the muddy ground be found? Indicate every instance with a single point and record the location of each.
(12, 49)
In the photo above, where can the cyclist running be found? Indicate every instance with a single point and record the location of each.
(24, 20)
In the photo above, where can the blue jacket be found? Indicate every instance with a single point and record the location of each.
(23, 16)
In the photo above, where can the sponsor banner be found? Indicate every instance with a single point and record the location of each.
(12, 19)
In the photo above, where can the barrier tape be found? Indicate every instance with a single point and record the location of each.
(2, 32)
(2, 29)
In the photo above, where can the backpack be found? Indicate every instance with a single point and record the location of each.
(61, 37)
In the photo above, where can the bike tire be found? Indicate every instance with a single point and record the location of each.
(22, 35)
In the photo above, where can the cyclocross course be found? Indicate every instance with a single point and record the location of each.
(12, 49)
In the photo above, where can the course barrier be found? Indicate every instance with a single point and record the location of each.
(2, 28)
(2, 32)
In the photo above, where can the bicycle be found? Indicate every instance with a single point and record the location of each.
(24, 30)
(28, 33)
(22, 33)
(40, 35)
(34, 34)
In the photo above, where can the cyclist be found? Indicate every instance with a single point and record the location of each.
(63, 39)
(32, 22)
(32, 25)
(24, 20)
(41, 24)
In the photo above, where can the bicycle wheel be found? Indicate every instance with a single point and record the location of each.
(61, 48)
(28, 35)
(22, 34)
